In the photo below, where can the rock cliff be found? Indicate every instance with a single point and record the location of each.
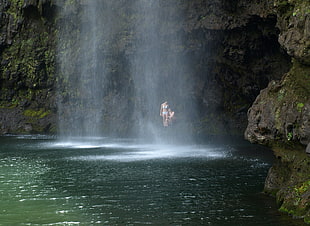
(279, 117)
(27, 72)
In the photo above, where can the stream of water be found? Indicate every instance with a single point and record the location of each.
(124, 182)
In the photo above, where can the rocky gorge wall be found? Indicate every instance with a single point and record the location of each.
(250, 66)
(279, 117)
(27, 72)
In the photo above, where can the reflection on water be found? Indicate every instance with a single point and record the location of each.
(121, 182)
(148, 152)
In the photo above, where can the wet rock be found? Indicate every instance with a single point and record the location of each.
(26, 38)
(294, 23)
(280, 115)
(281, 111)
(27, 128)
(288, 180)
(308, 149)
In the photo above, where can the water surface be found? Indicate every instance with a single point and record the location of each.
(124, 182)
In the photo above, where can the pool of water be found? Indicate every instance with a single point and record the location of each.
(124, 182)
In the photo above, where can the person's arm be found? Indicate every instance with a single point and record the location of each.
(161, 110)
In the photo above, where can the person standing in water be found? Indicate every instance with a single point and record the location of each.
(170, 115)
(164, 113)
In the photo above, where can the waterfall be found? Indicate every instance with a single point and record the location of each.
(118, 61)
(160, 69)
(81, 68)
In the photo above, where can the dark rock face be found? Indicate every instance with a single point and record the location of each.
(281, 111)
(279, 117)
(27, 74)
(238, 53)
(246, 61)
(294, 23)
(288, 180)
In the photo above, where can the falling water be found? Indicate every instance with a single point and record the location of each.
(82, 70)
(160, 69)
(94, 37)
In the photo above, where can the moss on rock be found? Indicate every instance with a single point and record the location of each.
(294, 22)
(289, 181)
(27, 66)
(280, 112)
(36, 113)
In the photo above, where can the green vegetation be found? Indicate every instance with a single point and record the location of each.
(290, 96)
(293, 174)
(36, 114)
(27, 70)
(298, 205)
(289, 136)
(15, 9)
(300, 106)
(300, 190)
(281, 94)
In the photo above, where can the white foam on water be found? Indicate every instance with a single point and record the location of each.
(140, 152)
(125, 150)
(74, 145)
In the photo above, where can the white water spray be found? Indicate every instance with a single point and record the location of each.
(159, 69)
(81, 68)
(93, 34)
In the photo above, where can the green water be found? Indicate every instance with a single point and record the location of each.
(120, 182)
